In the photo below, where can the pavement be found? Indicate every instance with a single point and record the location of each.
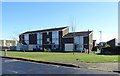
(13, 66)
(96, 66)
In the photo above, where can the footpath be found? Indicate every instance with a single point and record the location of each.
(97, 66)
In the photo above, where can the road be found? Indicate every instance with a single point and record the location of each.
(10, 66)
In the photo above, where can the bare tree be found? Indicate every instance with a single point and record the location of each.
(73, 27)
(15, 36)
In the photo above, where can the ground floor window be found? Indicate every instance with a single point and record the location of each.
(55, 46)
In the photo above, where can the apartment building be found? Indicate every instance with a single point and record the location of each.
(6, 44)
(55, 39)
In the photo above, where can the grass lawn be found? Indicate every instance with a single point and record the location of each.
(53, 56)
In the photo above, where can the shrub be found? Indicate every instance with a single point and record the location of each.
(106, 46)
(45, 50)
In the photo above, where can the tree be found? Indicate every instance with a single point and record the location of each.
(73, 26)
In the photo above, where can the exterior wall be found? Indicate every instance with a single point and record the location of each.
(60, 40)
(90, 41)
(6, 44)
(47, 40)
(86, 42)
(66, 41)
(65, 31)
(1, 43)
(21, 39)
(54, 40)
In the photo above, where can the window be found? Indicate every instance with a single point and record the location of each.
(33, 38)
(55, 40)
(55, 37)
(26, 38)
(48, 39)
(39, 38)
(55, 34)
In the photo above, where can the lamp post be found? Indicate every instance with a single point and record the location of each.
(100, 35)
(100, 39)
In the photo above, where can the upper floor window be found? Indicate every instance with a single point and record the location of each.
(39, 36)
(55, 34)
(47, 33)
(26, 36)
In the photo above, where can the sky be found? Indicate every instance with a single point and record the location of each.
(19, 17)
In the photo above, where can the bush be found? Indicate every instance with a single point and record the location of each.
(106, 46)
(45, 50)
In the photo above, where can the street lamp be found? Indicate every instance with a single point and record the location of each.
(100, 35)
(100, 39)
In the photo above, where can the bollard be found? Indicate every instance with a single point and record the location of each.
(5, 52)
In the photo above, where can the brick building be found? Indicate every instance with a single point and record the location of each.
(6, 44)
(56, 38)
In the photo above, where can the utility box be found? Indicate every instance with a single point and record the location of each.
(69, 47)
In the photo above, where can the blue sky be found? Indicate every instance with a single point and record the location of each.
(18, 17)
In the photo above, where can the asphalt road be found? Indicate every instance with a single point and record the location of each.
(10, 66)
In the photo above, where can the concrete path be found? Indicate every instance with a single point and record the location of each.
(98, 66)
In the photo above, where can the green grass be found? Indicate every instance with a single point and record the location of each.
(52, 56)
